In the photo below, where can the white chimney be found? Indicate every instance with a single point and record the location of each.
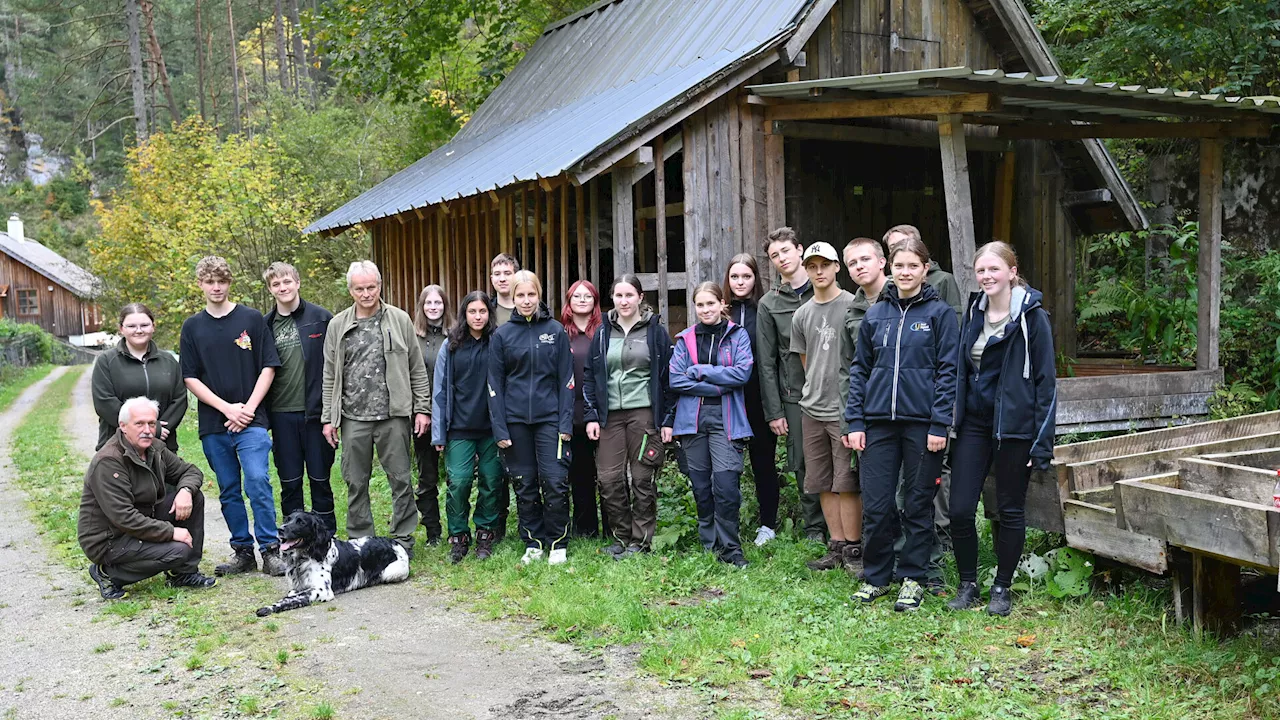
(15, 227)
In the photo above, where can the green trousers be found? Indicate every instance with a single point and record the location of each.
(393, 439)
(463, 460)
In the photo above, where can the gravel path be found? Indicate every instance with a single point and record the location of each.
(390, 652)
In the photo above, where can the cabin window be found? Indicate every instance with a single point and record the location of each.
(28, 302)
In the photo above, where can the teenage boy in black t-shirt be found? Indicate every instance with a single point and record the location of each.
(229, 359)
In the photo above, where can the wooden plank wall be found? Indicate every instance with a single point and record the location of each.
(1044, 237)
(866, 37)
(452, 244)
(61, 312)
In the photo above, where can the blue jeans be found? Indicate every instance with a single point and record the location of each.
(228, 453)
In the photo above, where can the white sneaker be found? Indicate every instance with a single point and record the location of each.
(764, 535)
(531, 555)
(559, 556)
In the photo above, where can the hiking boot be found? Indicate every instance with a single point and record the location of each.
(630, 551)
(559, 556)
(195, 580)
(1001, 602)
(531, 556)
(851, 559)
(737, 560)
(109, 588)
(832, 560)
(764, 535)
(272, 563)
(241, 562)
(816, 536)
(484, 544)
(616, 549)
(869, 593)
(909, 596)
(967, 596)
(458, 547)
(433, 539)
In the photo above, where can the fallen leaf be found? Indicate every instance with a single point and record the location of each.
(962, 680)
(1025, 641)
(759, 673)
(738, 643)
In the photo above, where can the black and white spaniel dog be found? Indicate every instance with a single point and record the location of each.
(319, 566)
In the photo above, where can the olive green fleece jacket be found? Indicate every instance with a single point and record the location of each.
(408, 383)
(781, 372)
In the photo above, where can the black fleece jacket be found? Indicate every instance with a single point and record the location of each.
(530, 374)
(313, 322)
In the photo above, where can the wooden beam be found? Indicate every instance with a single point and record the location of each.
(1066, 93)
(885, 107)
(879, 136)
(649, 281)
(1209, 265)
(955, 182)
(642, 155)
(1139, 130)
(651, 213)
(624, 239)
(1087, 197)
(808, 26)
(1006, 173)
(660, 228)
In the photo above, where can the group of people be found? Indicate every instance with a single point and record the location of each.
(868, 388)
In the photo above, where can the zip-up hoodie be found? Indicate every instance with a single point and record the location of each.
(595, 379)
(530, 374)
(442, 384)
(781, 372)
(723, 379)
(904, 367)
(118, 376)
(1014, 388)
(313, 322)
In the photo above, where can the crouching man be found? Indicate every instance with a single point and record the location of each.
(142, 512)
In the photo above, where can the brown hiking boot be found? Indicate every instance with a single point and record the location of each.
(272, 563)
(242, 561)
(458, 547)
(484, 544)
(832, 560)
(852, 560)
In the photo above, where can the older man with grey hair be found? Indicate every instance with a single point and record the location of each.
(376, 392)
(141, 512)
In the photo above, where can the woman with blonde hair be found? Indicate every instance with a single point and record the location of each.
(1005, 404)
(710, 364)
(531, 409)
(431, 322)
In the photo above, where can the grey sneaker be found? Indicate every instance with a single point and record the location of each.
(272, 564)
(241, 561)
(909, 596)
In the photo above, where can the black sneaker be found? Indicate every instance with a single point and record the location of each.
(272, 563)
(615, 550)
(433, 540)
(107, 586)
(1001, 603)
(459, 545)
(242, 561)
(196, 580)
(484, 544)
(967, 596)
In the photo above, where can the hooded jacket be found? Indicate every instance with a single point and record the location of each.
(530, 374)
(442, 390)
(1014, 387)
(437, 337)
(693, 381)
(904, 366)
(946, 285)
(118, 376)
(781, 372)
(121, 491)
(595, 379)
(313, 322)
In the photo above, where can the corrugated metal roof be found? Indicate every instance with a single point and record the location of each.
(79, 281)
(586, 81)
(1075, 95)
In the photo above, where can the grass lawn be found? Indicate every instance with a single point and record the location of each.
(15, 379)
(775, 630)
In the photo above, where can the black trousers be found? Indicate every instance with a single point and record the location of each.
(538, 464)
(298, 448)
(972, 457)
(130, 560)
(764, 468)
(582, 481)
(427, 494)
(898, 448)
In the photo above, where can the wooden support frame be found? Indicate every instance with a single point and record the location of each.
(955, 182)
(775, 180)
(1138, 130)
(660, 228)
(1209, 266)
(624, 226)
(884, 107)
(879, 136)
(1006, 175)
(593, 191)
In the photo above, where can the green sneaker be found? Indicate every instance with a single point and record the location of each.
(868, 593)
(909, 596)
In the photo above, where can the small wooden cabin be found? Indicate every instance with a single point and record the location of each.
(664, 136)
(39, 286)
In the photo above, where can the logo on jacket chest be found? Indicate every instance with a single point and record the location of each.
(547, 338)
(920, 327)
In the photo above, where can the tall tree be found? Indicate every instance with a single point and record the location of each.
(157, 57)
(303, 64)
(282, 56)
(136, 82)
(199, 48)
(235, 67)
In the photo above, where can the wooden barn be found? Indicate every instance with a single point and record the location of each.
(664, 136)
(39, 286)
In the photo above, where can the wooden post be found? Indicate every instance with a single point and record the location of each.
(1002, 228)
(581, 212)
(594, 193)
(549, 263)
(1215, 595)
(660, 226)
(564, 240)
(955, 181)
(1209, 267)
(624, 212)
(775, 180)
